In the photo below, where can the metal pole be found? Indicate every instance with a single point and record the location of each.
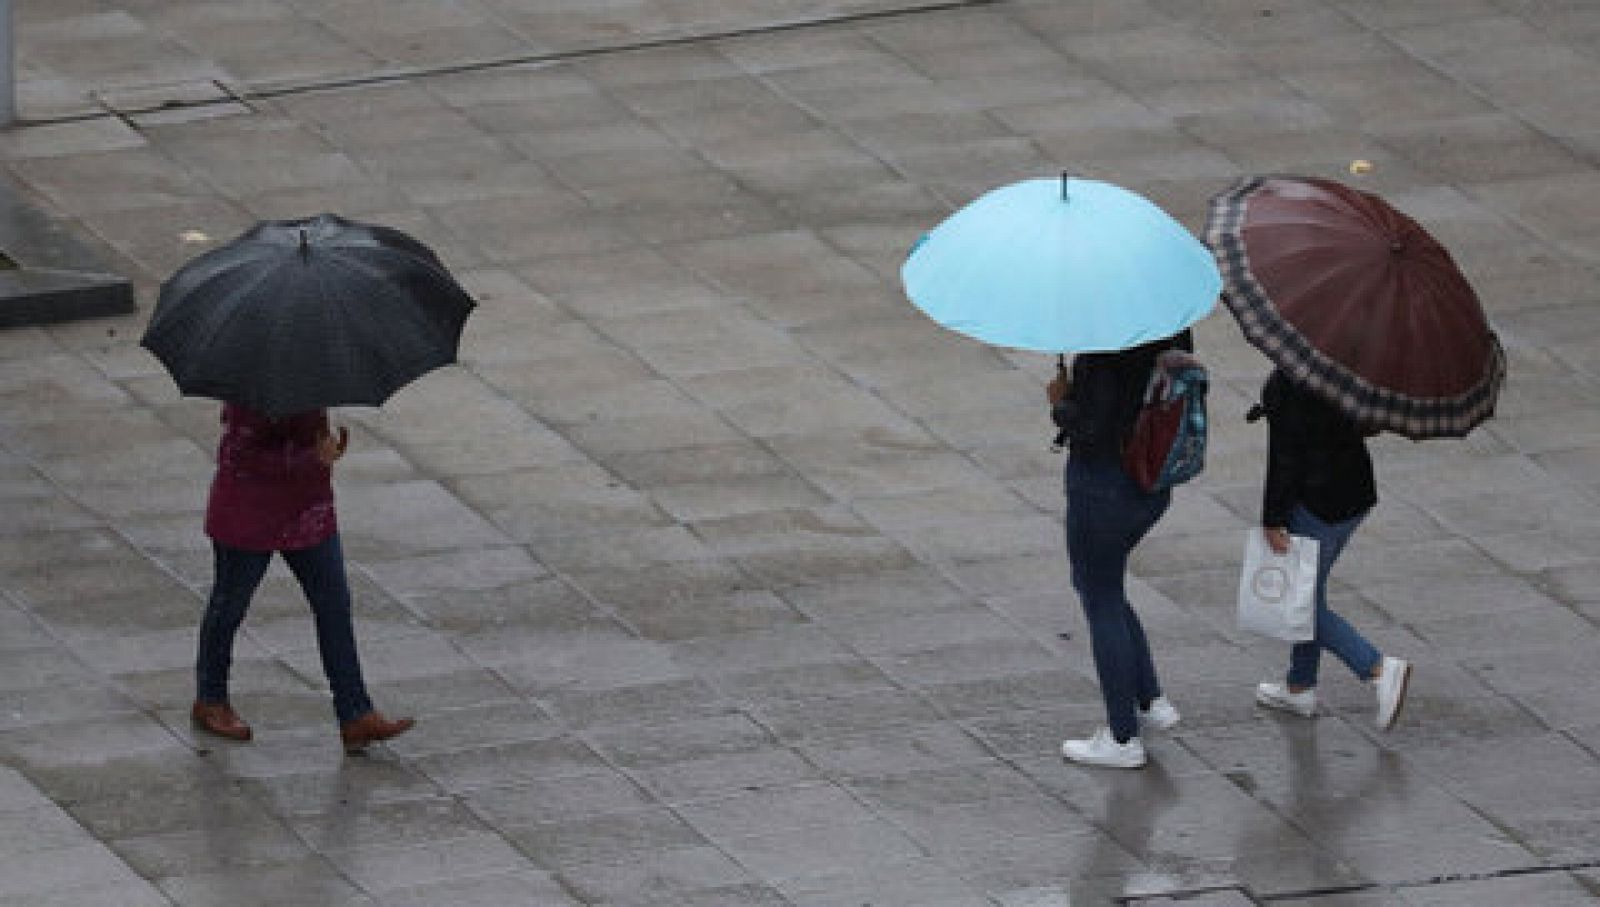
(8, 80)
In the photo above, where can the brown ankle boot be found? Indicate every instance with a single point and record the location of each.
(220, 719)
(371, 728)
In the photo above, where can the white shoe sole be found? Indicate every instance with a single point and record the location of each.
(1399, 698)
(1284, 705)
(1119, 761)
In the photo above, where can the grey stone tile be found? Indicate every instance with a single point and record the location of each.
(911, 881)
(386, 824)
(609, 839)
(632, 282)
(310, 790)
(70, 138)
(697, 779)
(469, 768)
(406, 518)
(544, 603)
(664, 581)
(558, 798)
(1447, 855)
(523, 888)
(790, 162)
(793, 546)
(674, 697)
(825, 680)
(1008, 576)
(709, 617)
(300, 881)
(968, 660)
(455, 573)
(645, 746)
(383, 869)
(1149, 57)
(560, 500)
(1425, 598)
(38, 829)
(488, 725)
(758, 812)
(114, 894)
(838, 847)
(1013, 692)
(140, 811)
(400, 658)
(1555, 889)
(895, 750)
(671, 875)
(1046, 861)
(199, 851)
(824, 718)
(89, 744)
(85, 865)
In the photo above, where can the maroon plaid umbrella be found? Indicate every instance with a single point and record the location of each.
(1355, 301)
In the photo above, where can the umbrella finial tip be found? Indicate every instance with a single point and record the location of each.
(305, 247)
(1065, 178)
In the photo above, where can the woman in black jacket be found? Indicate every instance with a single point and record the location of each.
(1107, 514)
(1319, 484)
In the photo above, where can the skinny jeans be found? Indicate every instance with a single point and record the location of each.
(1333, 632)
(321, 575)
(1107, 515)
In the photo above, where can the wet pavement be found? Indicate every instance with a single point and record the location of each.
(715, 573)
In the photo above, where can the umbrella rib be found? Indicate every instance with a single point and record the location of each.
(234, 306)
(420, 347)
(416, 314)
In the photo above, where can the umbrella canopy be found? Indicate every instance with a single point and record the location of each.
(305, 314)
(1357, 302)
(1068, 265)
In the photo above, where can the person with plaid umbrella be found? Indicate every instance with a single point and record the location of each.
(1320, 485)
(1371, 327)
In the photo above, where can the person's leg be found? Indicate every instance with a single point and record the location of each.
(237, 574)
(1333, 632)
(1104, 522)
(1147, 686)
(320, 572)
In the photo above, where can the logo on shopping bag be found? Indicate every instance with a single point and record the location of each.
(1270, 583)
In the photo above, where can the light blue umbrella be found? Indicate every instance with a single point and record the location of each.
(1062, 265)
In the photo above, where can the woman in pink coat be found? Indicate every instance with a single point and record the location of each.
(273, 492)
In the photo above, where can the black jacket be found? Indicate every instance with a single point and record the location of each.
(1316, 457)
(1107, 391)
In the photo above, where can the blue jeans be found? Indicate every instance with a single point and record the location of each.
(1107, 514)
(1334, 633)
(320, 572)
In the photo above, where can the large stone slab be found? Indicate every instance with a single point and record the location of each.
(46, 274)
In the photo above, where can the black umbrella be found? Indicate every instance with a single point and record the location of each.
(300, 315)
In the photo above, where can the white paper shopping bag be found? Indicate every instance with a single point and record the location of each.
(1277, 591)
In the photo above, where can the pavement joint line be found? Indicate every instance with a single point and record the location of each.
(244, 94)
(1183, 894)
(1438, 880)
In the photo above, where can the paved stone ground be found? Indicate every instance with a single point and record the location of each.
(715, 573)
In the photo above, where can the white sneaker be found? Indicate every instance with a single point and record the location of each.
(1277, 696)
(1162, 714)
(1103, 749)
(1391, 689)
